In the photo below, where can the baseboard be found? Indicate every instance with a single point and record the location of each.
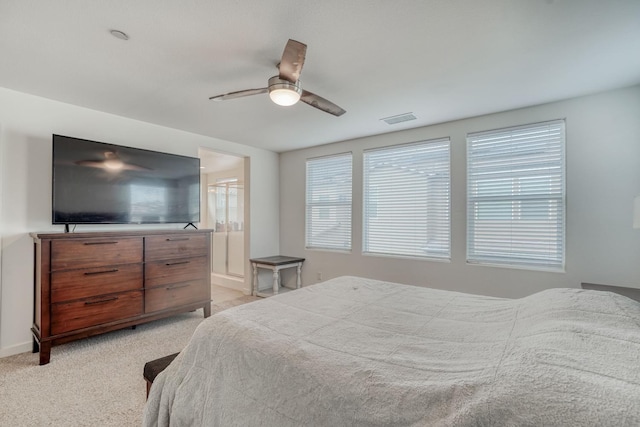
(235, 283)
(16, 349)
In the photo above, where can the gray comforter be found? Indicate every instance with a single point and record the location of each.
(360, 352)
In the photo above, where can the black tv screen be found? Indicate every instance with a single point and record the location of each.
(98, 183)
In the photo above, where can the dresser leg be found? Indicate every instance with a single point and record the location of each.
(35, 346)
(207, 310)
(45, 352)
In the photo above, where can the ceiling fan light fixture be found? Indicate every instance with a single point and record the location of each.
(283, 92)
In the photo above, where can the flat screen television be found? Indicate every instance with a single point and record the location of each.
(99, 183)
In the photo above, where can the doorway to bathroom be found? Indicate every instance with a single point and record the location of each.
(223, 211)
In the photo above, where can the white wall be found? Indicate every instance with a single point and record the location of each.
(1, 227)
(603, 176)
(25, 189)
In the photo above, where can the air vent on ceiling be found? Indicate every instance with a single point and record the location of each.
(392, 120)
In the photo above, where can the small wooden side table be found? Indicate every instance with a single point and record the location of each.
(275, 264)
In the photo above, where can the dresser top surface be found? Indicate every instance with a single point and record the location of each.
(53, 235)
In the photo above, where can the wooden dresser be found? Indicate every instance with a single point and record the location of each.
(90, 283)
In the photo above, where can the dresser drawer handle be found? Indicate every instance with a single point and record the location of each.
(177, 239)
(177, 263)
(100, 243)
(100, 301)
(91, 273)
(178, 286)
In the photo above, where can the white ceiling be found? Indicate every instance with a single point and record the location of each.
(439, 59)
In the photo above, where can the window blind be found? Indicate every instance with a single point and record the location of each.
(407, 200)
(516, 196)
(328, 202)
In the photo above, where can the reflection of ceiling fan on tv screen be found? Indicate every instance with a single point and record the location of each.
(285, 89)
(111, 162)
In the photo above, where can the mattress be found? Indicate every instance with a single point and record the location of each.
(360, 352)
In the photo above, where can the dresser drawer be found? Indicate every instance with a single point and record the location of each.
(175, 295)
(89, 312)
(175, 246)
(88, 253)
(90, 282)
(175, 270)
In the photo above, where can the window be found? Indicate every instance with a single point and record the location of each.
(328, 204)
(516, 196)
(407, 200)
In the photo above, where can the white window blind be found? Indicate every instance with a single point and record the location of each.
(328, 203)
(407, 200)
(516, 196)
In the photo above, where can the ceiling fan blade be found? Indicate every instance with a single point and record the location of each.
(321, 104)
(292, 60)
(239, 94)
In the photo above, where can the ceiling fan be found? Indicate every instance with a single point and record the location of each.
(284, 89)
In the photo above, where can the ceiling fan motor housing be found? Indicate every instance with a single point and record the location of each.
(284, 92)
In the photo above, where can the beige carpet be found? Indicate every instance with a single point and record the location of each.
(92, 382)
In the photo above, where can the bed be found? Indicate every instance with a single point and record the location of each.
(359, 352)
